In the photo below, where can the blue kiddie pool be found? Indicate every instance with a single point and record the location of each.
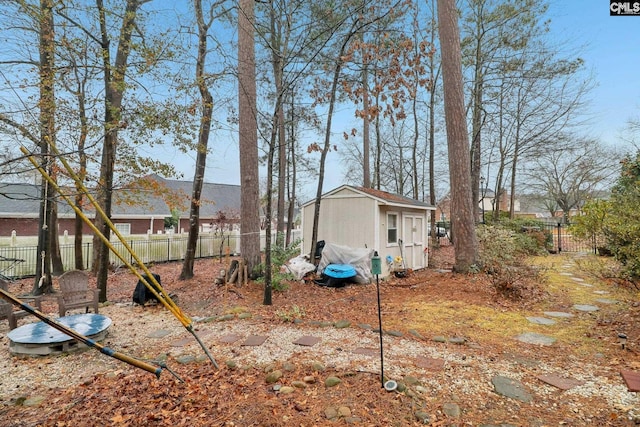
(337, 275)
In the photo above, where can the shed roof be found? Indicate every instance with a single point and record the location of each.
(383, 197)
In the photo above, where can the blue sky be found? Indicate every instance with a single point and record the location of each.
(609, 46)
(582, 28)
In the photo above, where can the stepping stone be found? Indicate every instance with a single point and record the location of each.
(307, 341)
(182, 342)
(230, 338)
(631, 379)
(429, 363)
(558, 314)
(585, 307)
(533, 338)
(606, 301)
(366, 351)
(254, 340)
(559, 382)
(161, 333)
(509, 387)
(541, 321)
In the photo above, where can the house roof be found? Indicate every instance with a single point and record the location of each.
(19, 200)
(382, 197)
(23, 200)
(215, 198)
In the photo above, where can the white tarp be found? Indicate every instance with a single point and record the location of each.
(358, 258)
(299, 266)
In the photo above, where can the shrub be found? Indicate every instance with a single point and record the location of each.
(280, 254)
(503, 254)
(291, 315)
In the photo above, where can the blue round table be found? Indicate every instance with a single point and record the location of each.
(40, 339)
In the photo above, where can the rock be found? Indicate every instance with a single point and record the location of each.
(365, 326)
(420, 389)
(331, 413)
(226, 317)
(273, 376)
(341, 324)
(451, 410)
(317, 366)
(401, 387)
(423, 417)
(299, 384)
(287, 389)
(244, 316)
(33, 401)
(332, 381)
(309, 379)
(231, 364)
(183, 360)
(508, 387)
(440, 339)
(416, 334)
(395, 333)
(457, 340)
(289, 367)
(344, 411)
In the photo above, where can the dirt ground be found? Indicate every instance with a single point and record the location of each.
(427, 304)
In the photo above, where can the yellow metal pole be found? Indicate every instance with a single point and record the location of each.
(163, 297)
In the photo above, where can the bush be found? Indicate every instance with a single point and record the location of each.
(503, 253)
(279, 256)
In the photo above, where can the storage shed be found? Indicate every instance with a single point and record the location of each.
(361, 217)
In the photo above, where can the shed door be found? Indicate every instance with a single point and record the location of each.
(413, 241)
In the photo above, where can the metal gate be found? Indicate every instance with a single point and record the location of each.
(563, 241)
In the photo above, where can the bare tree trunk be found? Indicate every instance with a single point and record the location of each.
(114, 78)
(78, 223)
(366, 140)
(462, 220)
(203, 142)
(292, 178)
(248, 138)
(327, 146)
(57, 267)
(42, 282)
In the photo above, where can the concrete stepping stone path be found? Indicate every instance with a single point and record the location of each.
(541, 321)
(561, 314)
(586, 307)
(534, 338)
(559, 382)
(307, 341)
(509, 387)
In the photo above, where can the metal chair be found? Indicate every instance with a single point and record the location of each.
(8, 311)
(75, 292)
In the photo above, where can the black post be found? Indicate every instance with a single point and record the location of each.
(376, 268)
(559, 237)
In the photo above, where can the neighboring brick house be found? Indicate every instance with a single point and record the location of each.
(138, 209)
